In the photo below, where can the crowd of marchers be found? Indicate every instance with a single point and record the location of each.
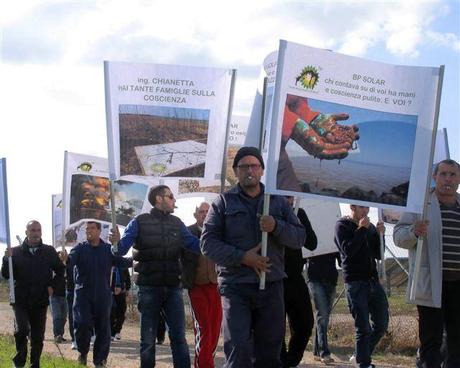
(218, 261)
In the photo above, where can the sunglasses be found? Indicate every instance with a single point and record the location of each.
(170, 196)
(253, 167)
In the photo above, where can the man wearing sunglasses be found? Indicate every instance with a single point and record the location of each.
(253, 319)
(157, 239)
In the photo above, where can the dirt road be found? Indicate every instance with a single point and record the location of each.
(125, 353)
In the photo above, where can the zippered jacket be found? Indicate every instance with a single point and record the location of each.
(33, 273)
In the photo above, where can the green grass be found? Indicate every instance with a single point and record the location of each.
(396, 301)
(7, 351)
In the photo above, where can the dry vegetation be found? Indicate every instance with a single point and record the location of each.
(144, 130)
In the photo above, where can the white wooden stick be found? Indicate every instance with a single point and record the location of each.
(264, 240)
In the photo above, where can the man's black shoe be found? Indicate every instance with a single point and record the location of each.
(82, 359)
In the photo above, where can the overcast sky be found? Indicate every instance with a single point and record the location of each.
(52, 89)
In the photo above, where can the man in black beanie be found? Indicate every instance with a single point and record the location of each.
(253, 319)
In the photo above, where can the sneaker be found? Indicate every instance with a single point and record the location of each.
(353, 359)
(102, 364)
(82, 359)
(112, 338)
(74, 345)
(317, 358)
(117, 336)
(327, 359)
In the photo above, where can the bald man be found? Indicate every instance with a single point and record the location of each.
(200, 278)
(33, 266)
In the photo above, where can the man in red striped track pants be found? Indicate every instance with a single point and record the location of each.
(199, 277)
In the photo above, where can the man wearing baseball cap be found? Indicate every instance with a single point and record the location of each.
(253, 319)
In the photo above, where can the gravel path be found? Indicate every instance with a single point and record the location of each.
(125, 353)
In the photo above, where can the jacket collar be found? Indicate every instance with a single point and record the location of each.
(237, 189)
(156, 212)
(101, 242)
(25, 247)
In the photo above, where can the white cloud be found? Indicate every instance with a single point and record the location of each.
(10, 14)
(241, 33)
(407, 23)
(358, 41)
(46, 110)
(52, 83)
(449, 40)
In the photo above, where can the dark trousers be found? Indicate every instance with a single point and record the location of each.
(323, 295)
(367, 300)
(161, 330)
(431, 325)
(253, 324)
(87, 314)
(35, 317)
(58, 305)
(300, 316)
(117, 316)
(69, 298)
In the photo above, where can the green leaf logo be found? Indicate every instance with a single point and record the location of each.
(85, 166)
(308, 78)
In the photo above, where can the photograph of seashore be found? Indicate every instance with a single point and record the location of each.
(377, 170)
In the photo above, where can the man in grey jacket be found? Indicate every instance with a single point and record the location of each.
(253, 319)
(437, 293)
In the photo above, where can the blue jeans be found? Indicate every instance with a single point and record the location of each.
(59, 312)
(367, 299)
(168, 301)
(253, 324)
(323, 295)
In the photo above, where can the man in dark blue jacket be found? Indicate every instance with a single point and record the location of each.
(91, 262)
(33, 267)
(253, 319)
(359, 245)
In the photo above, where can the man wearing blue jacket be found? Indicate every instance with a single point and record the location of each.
(253, 319)
(91, 262)
(157, 239)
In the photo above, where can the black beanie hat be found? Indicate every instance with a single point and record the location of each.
(248, 151)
